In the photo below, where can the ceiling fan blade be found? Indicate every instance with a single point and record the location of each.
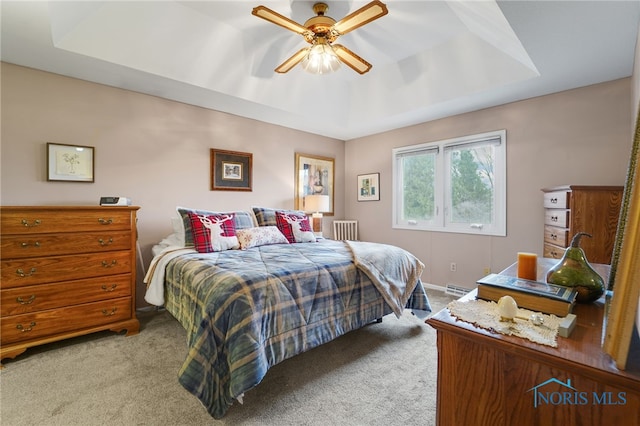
(292, 61)
(354, 61)
(360, 17)
(274, 17)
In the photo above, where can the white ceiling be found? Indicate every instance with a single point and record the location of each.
(430, 59)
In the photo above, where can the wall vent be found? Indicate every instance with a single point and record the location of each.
(455, 290)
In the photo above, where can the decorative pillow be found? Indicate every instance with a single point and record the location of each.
(267, 216)
(241, 219)
(260, 236)
(215, 232)
(295, 227)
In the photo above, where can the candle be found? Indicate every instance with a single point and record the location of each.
(528, 266)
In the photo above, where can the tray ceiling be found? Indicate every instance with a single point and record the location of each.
(430, 59)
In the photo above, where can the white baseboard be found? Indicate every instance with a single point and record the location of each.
(450, 289)
(434, 287)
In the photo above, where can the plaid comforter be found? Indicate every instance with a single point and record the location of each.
(247, 310)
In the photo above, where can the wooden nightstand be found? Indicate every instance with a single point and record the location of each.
(488, 378)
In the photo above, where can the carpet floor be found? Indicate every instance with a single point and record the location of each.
(379, 375)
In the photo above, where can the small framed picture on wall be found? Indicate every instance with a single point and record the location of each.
(70, 163)
(369, 187)
(231, 170)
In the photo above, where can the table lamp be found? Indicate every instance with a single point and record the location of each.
(316, 204)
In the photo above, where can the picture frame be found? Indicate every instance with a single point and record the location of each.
(70, 163)
(369, 187)
(623, 295)
(231, 170)
(314, 176)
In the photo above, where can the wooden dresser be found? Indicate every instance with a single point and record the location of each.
(66, 271)
(571, 209)
(491, 379)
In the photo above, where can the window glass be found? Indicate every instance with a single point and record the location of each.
(456, 185)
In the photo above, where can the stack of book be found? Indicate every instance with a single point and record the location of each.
(533, 295)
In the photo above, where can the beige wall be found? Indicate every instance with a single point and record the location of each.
(152, 150)
(157, 153)
(575, 137)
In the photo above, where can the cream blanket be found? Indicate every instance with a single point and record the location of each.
(393, 270)
(155, 275)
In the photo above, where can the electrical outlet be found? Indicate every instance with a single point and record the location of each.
(453, 267)
(486, 270)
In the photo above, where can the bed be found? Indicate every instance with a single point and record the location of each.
(250, 307)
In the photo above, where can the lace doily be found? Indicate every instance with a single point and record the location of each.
(485, 314)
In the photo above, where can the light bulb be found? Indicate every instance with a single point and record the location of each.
(321, 59)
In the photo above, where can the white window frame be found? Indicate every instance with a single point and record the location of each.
(441, 221)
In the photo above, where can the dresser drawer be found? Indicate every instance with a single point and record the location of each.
(556, 217)
(557, 200)
(34, 221)
(552, 251)
(22, 300)
(41, 270)
(557, 236)
(20, 328)
(22, 246)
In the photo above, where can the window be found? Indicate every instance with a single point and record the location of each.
(455, 185)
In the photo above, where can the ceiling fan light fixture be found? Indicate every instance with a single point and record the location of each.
(321, 59)
(321, 32)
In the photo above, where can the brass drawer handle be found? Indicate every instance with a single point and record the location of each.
(105, 222)
(23, 329)
(109, 314)
(25, 222)
(105, 243)
(25, 245)
(113, 287)
(553, 236)
(29, 301)
(21, 273)
(109, 265)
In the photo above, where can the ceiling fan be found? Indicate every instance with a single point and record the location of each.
(321, 31)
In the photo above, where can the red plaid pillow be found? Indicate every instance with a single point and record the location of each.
(213, 232)
(295, 227)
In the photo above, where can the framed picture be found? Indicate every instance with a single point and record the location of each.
(230, 170)
(369, 187)
(624, 279)
(70, 163)
(314, 176)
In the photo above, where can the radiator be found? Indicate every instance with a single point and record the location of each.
(345, 230)
(454, 290)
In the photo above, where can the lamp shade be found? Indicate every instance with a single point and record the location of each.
(316, 203)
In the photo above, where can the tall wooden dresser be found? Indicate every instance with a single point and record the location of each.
(571, 209)
(66, 271)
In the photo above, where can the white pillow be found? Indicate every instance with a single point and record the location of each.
(178, 230)
(260, 236)
(173, 240)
